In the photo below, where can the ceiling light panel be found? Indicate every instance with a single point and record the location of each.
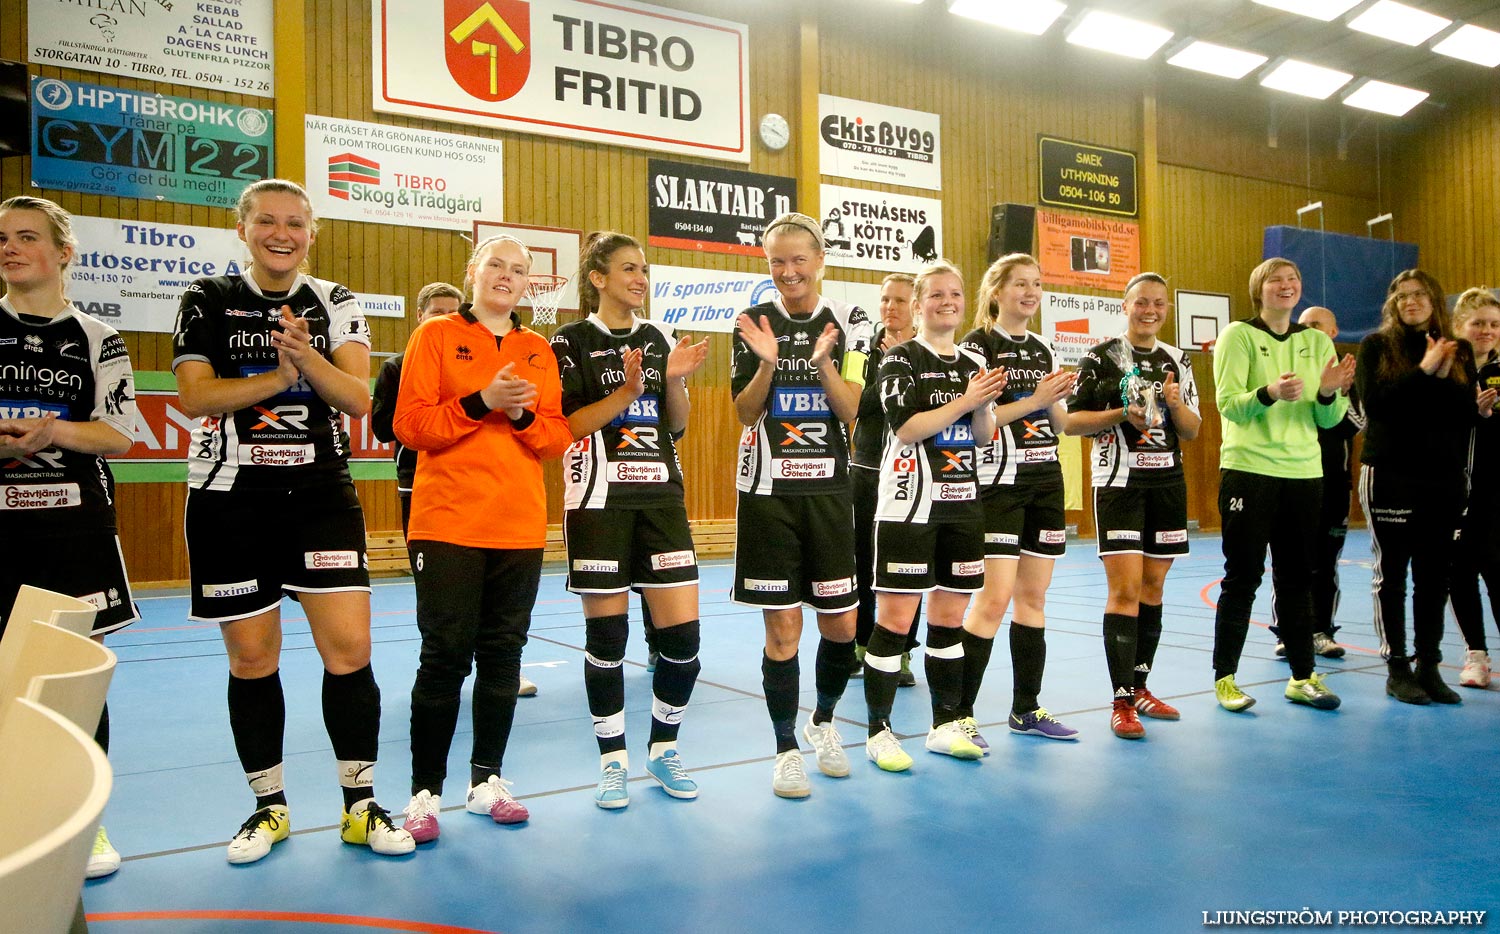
(1472, 44)
(1399, 23)
(1392, 99)
(1028, 16)
(1305, 79)
(1217, 60)
(1108, 32)
(1325, 10)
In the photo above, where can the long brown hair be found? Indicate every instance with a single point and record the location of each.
(598, 252)
(1392, 333)
(987, 299)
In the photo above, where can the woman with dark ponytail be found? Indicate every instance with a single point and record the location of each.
(624, 391)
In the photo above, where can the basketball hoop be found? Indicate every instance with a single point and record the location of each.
(545, 291)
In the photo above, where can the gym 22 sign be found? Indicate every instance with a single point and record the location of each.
(632, 75)
(135, 144)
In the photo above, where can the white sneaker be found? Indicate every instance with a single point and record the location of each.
(884, 749)
(493, 798)
(1476, 673)
(527, 688)
(829, 746)
(950, 739)
(789, 780)
(370, 825)
(422, 816)
(267, 826)
(104, 860)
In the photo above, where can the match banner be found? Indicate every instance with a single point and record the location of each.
(131, 274)
(1087, 252)
(705, 299)
(876, 143)
(226, 45)
(703, 207)
(881, 231)
(395, 175)
(624, 75)
(1075, 324)
(135, 144)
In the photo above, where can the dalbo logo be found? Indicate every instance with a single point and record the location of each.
(488, 46)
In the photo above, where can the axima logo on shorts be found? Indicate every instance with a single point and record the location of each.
(894, 568)
(673, 559)
(318, 560)
(1122, 535)
(836, 588)
(1001, 538)
(597, 567)
(243, 588)
(763, 586)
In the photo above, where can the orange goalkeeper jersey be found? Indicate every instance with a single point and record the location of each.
(479, 475)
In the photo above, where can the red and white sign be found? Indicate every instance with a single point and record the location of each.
(627, 75)
(162, 433)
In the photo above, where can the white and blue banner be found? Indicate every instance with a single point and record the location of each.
(705, 299)
(131, 274)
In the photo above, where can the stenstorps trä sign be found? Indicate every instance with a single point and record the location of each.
(634, 75)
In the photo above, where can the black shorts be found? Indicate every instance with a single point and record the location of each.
(1150, 521)
(247, 546)
(1025, 519)
(613, 550)
(86, 565)
(791, 551)
(915, 557)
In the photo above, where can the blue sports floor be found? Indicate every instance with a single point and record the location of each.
(1377, 806)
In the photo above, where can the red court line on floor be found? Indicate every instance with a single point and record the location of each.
(1214, 605)
(294, 917)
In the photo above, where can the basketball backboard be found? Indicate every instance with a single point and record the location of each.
(554, 250)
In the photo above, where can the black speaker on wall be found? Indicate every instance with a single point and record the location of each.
(1012, 229)
(15, 111)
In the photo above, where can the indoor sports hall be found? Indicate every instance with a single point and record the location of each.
(608, 288)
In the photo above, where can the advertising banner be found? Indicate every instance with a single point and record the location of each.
(162, 432)
(1087, 252)
(376, 305)
(879, 230)
(135, 144)
(1076, 323)
(226, 45)
(703, 207)
(131, 274)
(1079, 175)
(876, 143)
(634, 75)
(705, 299)
(395, 175)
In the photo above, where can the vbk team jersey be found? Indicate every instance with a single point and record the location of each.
(935, 479)
(1125, 456)
(290, 440)
(632, 461)
(74, 367)
(798, 446)
(1026, 449)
